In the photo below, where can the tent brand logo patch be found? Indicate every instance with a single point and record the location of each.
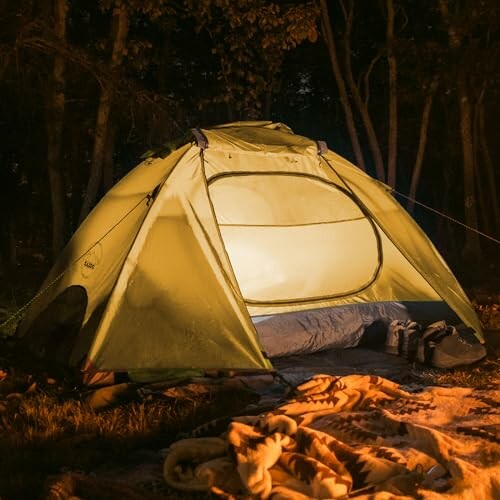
(91, 260)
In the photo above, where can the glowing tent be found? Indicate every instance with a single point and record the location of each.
(182, 259)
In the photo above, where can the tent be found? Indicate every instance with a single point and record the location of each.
(183, 261)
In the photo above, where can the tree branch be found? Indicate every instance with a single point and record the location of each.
(366, 78)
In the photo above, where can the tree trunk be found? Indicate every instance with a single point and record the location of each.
(471, 247)
(422, 142)
(108, 161)
(489, 169)
(344, 99)
(393, 98)
(229, 112)
(56, 105)
(120, 26)
(268, 102)
(76, 163)
(12, 244)
(360, 104)
(8, 245)
(484, 212)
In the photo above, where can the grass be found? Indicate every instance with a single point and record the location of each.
(45, 436)
(48, 428)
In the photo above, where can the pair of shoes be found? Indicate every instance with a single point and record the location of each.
(442, 346)
(402, 338)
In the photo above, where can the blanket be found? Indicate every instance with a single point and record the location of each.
(355, 436)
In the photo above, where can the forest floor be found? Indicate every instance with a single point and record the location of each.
(56, 445)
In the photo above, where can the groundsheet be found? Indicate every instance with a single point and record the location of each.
(296, 369)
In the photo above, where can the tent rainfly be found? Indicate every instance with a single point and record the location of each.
(175, 267)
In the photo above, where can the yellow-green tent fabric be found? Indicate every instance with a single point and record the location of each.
(250, 219)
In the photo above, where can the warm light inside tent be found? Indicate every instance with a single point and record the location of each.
(301, 262)
(285, 248)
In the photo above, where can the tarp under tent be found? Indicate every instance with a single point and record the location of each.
(248, 243)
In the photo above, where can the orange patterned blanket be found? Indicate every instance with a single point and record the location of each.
(355, 436)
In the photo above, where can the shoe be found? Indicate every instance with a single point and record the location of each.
(455, 350)
(401, 339)
(429, 339)
(411, 334)
(392, 339)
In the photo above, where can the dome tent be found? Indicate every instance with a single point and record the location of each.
(248, 221)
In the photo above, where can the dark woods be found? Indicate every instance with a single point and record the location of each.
(407, 90)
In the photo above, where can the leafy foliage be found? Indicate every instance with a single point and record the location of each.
(250, 40)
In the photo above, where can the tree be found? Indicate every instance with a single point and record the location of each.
(493, 207)
(54, 123)
(339, 78)
(250, 39)
(119, 33)
(393, 97)
(455, 41)
(422, 142)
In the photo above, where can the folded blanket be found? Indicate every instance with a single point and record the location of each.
(359, 436)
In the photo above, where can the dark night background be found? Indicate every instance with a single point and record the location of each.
(88, 86)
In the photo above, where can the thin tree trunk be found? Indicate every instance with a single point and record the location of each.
(422, 142)
(11, 229)
(76, 162)
(489, 169)
(8, 245)
(393, 98)
(268, 101)
(471, 247)
(344, 99)
(56, 105)
(120, 26)
(229, 112)
(361, 105)
(484, 212)
(108, 161)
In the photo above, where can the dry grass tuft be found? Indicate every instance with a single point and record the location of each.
(48, 431)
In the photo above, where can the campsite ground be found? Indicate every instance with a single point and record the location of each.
(55, 444)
